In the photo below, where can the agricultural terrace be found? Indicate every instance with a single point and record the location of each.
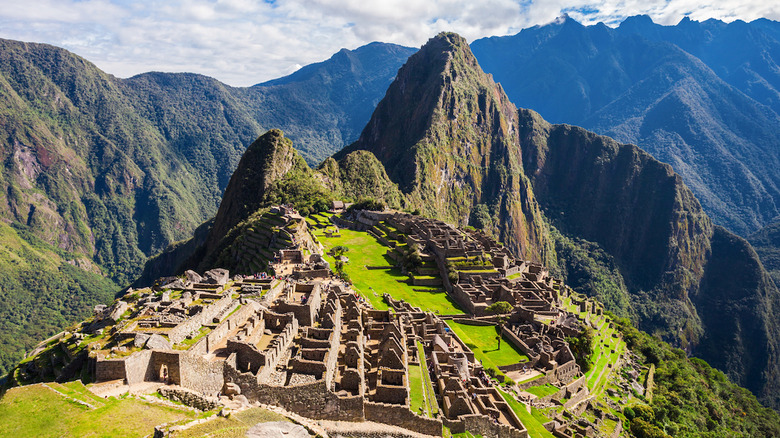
(366, 251)
(51, 410)
(481, 339)
(607, 348)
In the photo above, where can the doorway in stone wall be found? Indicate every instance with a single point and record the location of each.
(164, 374)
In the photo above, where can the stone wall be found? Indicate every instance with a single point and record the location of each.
(308, 274)
(517, 342)
(312, 400)
(112, 369)
(484, 426)
(137, 367)
(248, 357)
(202, 375)
(170, 360)
(578, 397)
(460, 296)
(222, 330)
(189, 398)
(401, 416)
(206, 316)
(575, 385)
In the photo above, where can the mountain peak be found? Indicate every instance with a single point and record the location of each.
(446, 134)
(265, 161)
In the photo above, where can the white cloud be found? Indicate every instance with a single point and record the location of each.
(243, 42)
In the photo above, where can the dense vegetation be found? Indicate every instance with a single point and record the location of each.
(582, 347)
(690, 398)
(42, 290)
(589, 270)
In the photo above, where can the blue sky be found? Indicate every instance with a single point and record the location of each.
(243, 42)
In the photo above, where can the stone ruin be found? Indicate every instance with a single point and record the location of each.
(313, 346)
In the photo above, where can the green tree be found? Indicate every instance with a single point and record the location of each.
(582, 347)
(499, 308)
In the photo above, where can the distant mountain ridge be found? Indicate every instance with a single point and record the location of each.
(699, 96)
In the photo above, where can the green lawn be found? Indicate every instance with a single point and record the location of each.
(416, 394)
(532, 424)
(38, 411)
(542, 390)
(365, 250)
(482, 341)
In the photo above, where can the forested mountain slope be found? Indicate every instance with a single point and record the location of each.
(114, 170)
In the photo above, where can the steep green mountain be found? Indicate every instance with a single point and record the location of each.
(445, 133)
(271, 172)
(115, 170)
(699, 96)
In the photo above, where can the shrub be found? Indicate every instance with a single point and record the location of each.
(367, 204)
(499, 308)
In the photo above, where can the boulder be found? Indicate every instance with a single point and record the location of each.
(175, 284)
(157, 342)
(117, 310)
(140, 340)
(217, 276)
(231, 389)
(99, 310)
(192, 276)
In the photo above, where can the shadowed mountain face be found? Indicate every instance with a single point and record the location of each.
(690, 281)
(702, 97)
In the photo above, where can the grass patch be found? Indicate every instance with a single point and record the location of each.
(187, 343)
(542, 390)
(482, 341)
(532, 424)
(416, 394)
(365, 250)
(596, 377)
(431, 405)
(38, 411)
(234, 427)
